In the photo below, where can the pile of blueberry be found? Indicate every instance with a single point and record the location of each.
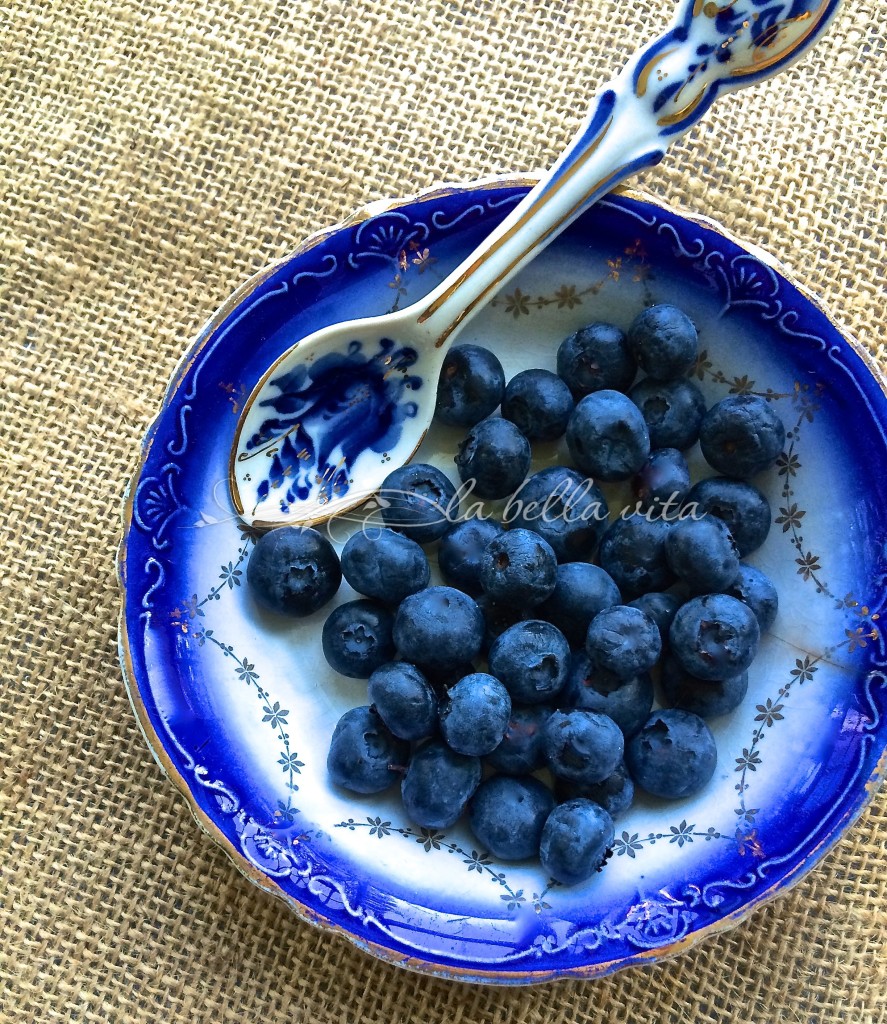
(522, 693)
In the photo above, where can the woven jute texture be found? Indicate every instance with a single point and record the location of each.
(153, 154)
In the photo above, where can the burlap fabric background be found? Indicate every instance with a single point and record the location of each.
(154, 154)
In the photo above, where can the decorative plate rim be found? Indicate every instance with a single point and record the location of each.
(157, 746)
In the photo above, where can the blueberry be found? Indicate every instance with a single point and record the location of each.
(519, 568)
(623, 640)
(404, 700)
(293, 571)
(633, 553)
(663, 481)
(756, 589)
(507, 814)
(439, 627)
(742, 435)
(384, 565)
(472, 383)
(474, 714)
(520, 751)
(461, 550)
(364, 755)
(584, 746)
(672, 410)
(438, 784)
(564, 508)
(607, 436)
(576, 840)
(615, 794)
(580, 592)
(715, 636)
(704, 697)
(595, 358)
(740, 504)
(539, 404)
(495, 456)
(663, 342)
(419, 501)
(627, 701)
(673, 756)
(702, 554)
(531, 659)
(661, 607)
(356, 638)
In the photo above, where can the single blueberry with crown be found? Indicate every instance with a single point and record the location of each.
(672, 410)
(674, 754)
(584, 746)
(357, 638)
(364, 755)
(519, 568)
(293, 571)
(419, 501)
(531, 659)
(714, 636)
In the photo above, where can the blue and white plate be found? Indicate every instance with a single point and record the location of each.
(238, 706)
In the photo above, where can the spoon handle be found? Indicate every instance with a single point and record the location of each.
(712, 46)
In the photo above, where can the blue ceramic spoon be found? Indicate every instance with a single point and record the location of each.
(310, 440)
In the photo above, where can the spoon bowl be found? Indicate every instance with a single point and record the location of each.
(331, 415)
